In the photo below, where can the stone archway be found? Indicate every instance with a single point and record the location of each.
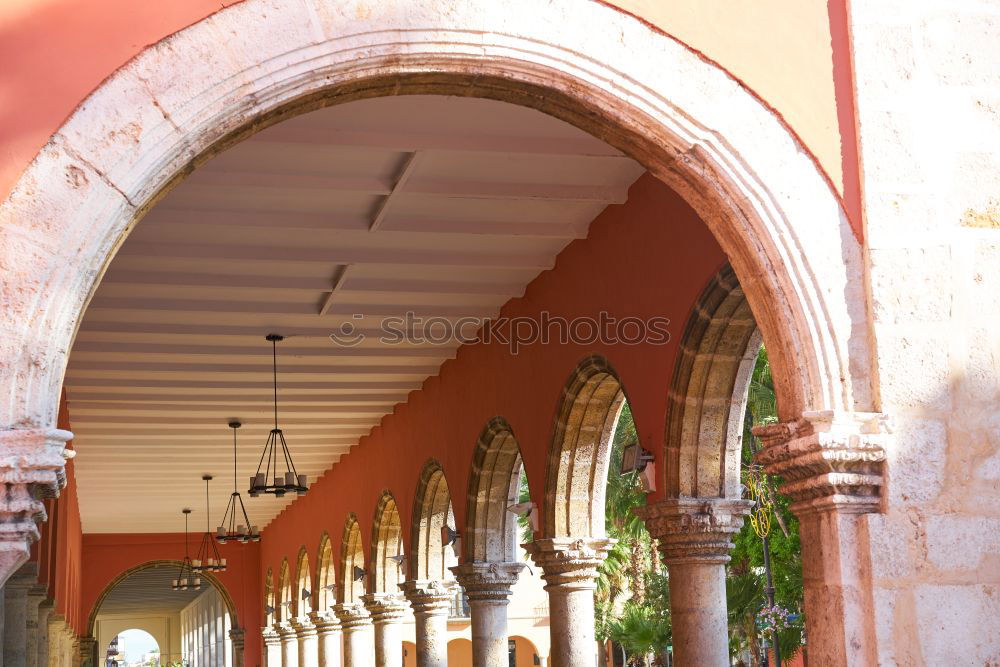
(326, 576)
(171, 108)
(432, 511)
(89, 643)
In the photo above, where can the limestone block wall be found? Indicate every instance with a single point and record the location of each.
(928, 88)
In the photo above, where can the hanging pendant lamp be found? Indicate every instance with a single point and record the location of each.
(186, 579)
(290, 480)
(229, 530)
(208, 559)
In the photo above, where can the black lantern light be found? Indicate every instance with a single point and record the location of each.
(186, 579)
(208, 559)
(231, 530)
(268, 478)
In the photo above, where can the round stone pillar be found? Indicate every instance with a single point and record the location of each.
(695, 537)
(431, 601)
(308, 640)
(569, 567)
(487, 586)
(16, 611)
(36, 596)
(236, 638)
(289, 644)
(831, 465)
(272, 646)
(387, 611)
(359, 640)
(44, 613)
(329, 638)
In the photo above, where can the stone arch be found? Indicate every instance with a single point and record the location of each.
(387, 544)
(270, 603)
(285, 598)
(709, 392)
(169, 109)
(303, 583)
(207, 576)
(490, 534)
(326, 578)
(578, 458)
(430, 559)
(352, 555)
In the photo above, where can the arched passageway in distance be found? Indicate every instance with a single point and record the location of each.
(130, 646)
(524, 652)
(187, 625)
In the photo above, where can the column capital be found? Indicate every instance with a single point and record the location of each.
(270, 635)
(32, 467)
(695, 530)
(237, 636)
(385, 607)
(429, 596)
(285, 630)
(569, 561)
(487, 581)
(325, 621)
(829, 460)
(352, 615)
(303, 627)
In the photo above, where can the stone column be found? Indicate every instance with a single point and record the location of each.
(56, 625)
(431, 601)
(36, 596)
(44, 613)
(289, 644)
(695, 538)
(569, 567)
(328, 632)
(359, 640)
(387, 611)
(308, 640)
(831, 464)
(272, 646)
(488, 587)
(86, 649)
(16, 611)
(237, 637)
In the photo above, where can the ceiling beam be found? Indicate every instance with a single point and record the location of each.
(409, 167)
(338, 283)
(138, 304)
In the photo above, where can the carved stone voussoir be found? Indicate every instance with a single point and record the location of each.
(827, 460)
(487, 581)
(570, 561)
(386, 607)
(695, 530)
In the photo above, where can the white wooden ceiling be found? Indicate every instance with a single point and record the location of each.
(148, 592)
(435, 205)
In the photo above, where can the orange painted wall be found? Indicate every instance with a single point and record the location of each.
(106, 556)
(661, 256)
(65, 540)
(792, 53)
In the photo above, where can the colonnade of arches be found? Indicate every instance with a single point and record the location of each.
(344, 602)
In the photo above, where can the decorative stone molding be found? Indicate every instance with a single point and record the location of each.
(32, 467)
(87, 651)
(285, 631)
(569, 562)
(303, 627)
(695, 530)
(352, 615)
(828, 460)
(324, 621)
(385, 607)
(487, 582)
(237, 636)
(430, 596)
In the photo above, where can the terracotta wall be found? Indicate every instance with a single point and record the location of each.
(793, 53)
(63, 539)
(647, 258)
(106, 556)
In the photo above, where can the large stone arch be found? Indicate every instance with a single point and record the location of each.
(578, 457)
(303, 583)
(184, 99)
(284, 597)
(352, 555)
(709, 391)
(432, 511)
(387, 544)
(490, 534)
(326, 576)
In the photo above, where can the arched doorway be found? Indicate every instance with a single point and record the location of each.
(189, 625)
(132, 646)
